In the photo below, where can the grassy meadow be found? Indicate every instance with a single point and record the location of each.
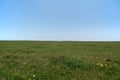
(65, 60)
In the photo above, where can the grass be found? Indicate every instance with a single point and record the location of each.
(45, 60)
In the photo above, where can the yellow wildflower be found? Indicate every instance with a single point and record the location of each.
(101, 65)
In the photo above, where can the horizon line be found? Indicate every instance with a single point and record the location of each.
(68, 40)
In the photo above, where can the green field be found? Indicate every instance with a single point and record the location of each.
(45, 60)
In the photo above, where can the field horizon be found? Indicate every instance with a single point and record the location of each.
(63, 40)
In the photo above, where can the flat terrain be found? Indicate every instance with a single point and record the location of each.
(35, 60)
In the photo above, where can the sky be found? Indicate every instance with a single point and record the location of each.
(71, 20)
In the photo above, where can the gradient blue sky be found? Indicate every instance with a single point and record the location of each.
(89, 20)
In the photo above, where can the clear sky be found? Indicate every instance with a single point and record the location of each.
(89, 20)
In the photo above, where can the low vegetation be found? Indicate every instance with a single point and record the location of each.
(45, 60)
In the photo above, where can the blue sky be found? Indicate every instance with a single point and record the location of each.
(79, 20)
